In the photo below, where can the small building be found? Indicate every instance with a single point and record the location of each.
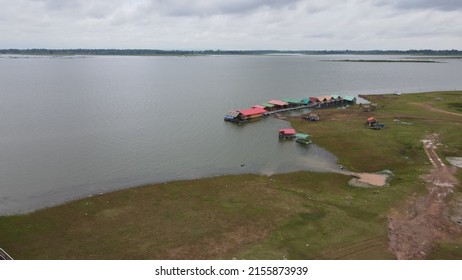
(278, 104)
(305, 101)
(287, 133)
(350, 99)
(242, 116)
(292, 102)
(324, 101)
(322, 98)
(338, 100)
(258, 106)
(233, 116)
(252, 113)
(314, 99)
(268, 107)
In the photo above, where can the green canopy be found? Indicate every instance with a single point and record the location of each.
(302, 136)
(289, 100)
(267, 105)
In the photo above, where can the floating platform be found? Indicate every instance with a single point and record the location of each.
(303, 138)
(286, 105)
(287, 133)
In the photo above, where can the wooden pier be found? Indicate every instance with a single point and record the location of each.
(287, 105)
(309, 106)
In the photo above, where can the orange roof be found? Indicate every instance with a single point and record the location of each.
(287, 131)
(278, 102)
(253, 111)
(325, 97)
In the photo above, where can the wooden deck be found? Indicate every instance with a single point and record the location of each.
(309, 106)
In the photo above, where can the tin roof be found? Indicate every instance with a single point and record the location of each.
(349, 98)
(287, 130)
(252, 111)
(232, 114)
(278, 102)
(325, 97)
(267, 105)
(302, 135)
(290, 100)
(258, 106)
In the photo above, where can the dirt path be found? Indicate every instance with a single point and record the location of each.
(353, 251)
(433, 109)
(412, 233)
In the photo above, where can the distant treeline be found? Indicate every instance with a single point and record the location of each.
(140, 52)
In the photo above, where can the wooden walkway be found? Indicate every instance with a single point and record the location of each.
(309, 106)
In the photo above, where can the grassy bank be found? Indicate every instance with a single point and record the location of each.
(299, 215)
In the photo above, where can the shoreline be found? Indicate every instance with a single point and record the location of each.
(254, 216)
(126, 187)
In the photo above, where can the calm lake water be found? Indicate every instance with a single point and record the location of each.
(76, 126)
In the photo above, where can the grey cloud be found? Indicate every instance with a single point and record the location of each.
(59, 5)
(211, 7)
(442, 5)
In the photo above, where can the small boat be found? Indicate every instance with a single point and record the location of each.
(303, 138)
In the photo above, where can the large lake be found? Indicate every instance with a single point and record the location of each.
(75, 126)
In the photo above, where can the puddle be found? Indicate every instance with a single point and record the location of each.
(455, 161)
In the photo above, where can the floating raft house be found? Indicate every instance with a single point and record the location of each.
(287, 104)
(268, 106)
(292, 102)
(232, 116)
(252, 113)
(303, 138)
(287, 133)
(350, 99)
(240, 116)
(278, 104)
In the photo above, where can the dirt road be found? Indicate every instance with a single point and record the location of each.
(433, 109)
(413, 232)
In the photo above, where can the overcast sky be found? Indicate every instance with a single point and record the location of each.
(232, 24)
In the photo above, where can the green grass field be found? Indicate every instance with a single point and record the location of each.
(300, 215)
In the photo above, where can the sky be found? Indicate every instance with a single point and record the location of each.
(232, 24)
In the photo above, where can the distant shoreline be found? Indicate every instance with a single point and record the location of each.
(384, 60)
(154, 52)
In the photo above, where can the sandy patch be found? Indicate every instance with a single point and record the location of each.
(370, 180)
(373, 179)
(455, 161)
